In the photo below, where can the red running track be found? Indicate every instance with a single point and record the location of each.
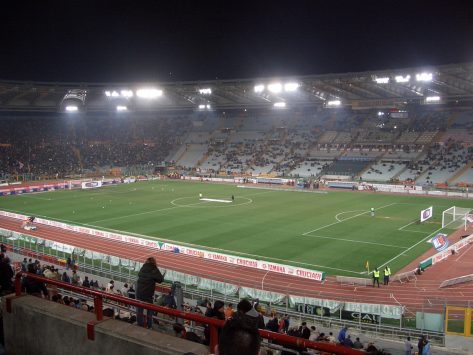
(414, 295)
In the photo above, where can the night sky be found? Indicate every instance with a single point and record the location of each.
(116, 41)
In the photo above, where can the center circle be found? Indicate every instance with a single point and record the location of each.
(194, 202)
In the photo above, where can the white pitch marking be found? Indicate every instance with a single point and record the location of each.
(214, 200)
(411, 247)
(338, 214)
(346, 219)
(407, 225)
(356, 241)
(260, 257)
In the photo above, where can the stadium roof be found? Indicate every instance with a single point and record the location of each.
(372, 89)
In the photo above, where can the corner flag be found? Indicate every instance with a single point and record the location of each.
(367, 266)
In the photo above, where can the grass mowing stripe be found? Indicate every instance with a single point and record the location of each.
(413, 246)
(231, 252)
(346, 219)
(353, 241)
(269, 228)
(143, 213)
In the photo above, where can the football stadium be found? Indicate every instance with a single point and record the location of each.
(296, 205)
(326, 213)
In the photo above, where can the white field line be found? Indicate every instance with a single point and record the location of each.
(338, 214)
(147, 212)
(407, 225)
(411, 247)
(231, 252)
(411, 231)
(277, 189)
(346, 219)
(356, 241)
(464, 252)
(35, 197)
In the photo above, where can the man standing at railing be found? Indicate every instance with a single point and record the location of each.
(148, 276)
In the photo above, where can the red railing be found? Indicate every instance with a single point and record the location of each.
(213, 323)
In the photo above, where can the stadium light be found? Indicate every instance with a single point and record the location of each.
(207, 107)
(402, 79)
(424, 77)
(149, 93)
(121, 108)
(432, 99)
(275, 87)
(126, 93)
(259, 88)
(206, 91)
(201, 107)
(123, 93)
(334, 103)
(288, 87)
(384, 80)
(72, 108)
(380, 113)
(279, 104)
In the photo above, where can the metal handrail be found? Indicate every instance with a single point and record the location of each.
(380, 330)
(214, 324)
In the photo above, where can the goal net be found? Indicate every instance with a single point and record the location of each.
(455, 217)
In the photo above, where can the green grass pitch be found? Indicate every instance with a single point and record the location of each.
(329, 231)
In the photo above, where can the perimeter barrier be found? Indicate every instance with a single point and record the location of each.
(100, 298)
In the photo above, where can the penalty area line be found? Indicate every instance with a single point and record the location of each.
(346, 219)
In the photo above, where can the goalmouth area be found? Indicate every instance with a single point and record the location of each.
(333, 232)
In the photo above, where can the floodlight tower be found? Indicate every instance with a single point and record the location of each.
(73, 101)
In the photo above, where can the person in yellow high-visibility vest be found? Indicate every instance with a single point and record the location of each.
(387, 273)
(376, 276)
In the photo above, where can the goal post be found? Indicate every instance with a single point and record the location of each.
(455, 217)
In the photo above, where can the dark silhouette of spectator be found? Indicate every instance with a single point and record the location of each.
(246, 310)
(148, 276)
(32, 286)
(238, 337)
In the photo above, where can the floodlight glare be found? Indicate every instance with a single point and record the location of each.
(126, 93)
(207, 107)
(149, 93)
(108, 93)
(384, 80)
(280, 104)
(424, 77)
(432, 99)
(291, 87)
(206, 91)
(380, 113)
(121, 108)
(402, 79)
(259, 88)
(72, 108)
(275, 88)
(201, 107)
(334, 103)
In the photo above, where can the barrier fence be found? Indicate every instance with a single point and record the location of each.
(458, 321)
(100, 298)
(297, 307)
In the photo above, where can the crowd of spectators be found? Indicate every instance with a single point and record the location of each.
(252, 314)
(57, 146)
